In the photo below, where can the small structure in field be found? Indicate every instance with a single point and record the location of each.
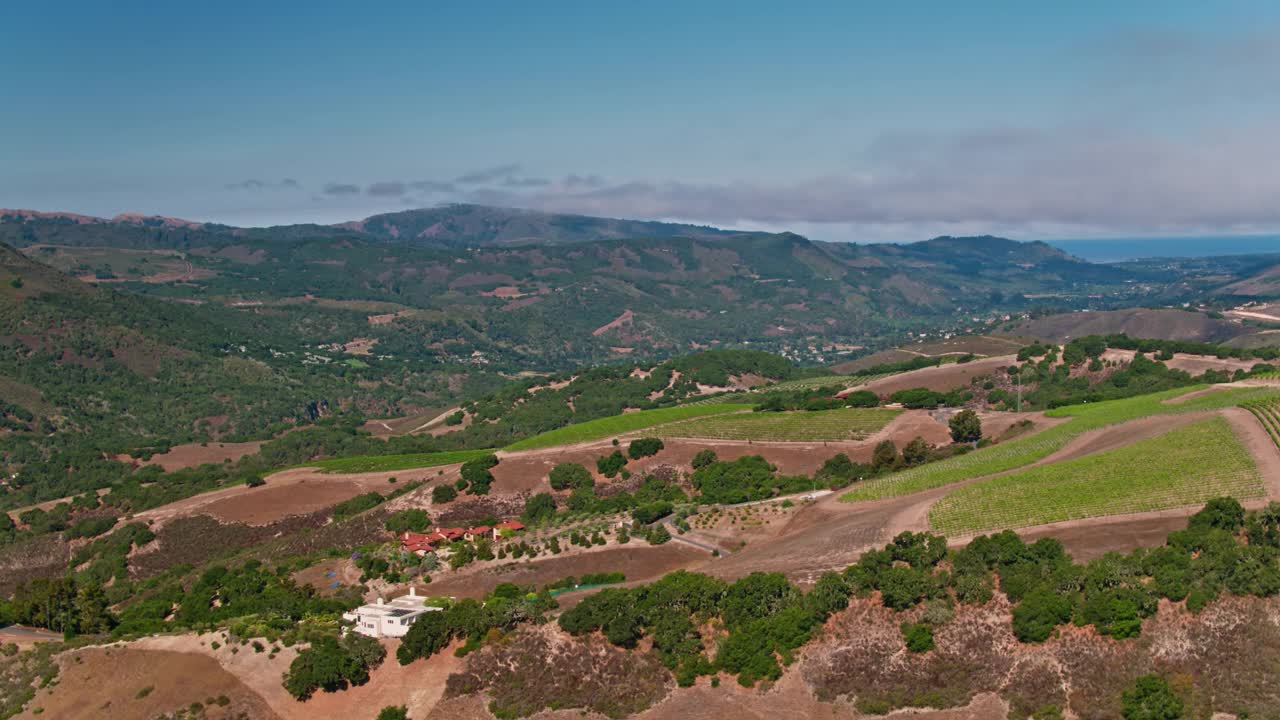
(389, 619)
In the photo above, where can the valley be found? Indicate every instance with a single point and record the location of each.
(707, 471)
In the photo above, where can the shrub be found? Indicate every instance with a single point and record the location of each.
(1150, 698)
(1035, 618)
(862, 399)
(644, 447)
(357, 505)
(916, 452)
(653, 511)
(918, 637)
(611, 465)
(966, 427)
(704, 458)
(570, 476)
(254, 481)
(441, 494)
(455, 418)
(394, 712)
(414, 519)
(539, 507)
(476, 474)
(884, 456)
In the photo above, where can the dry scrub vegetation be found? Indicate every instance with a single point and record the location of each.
(541, 668)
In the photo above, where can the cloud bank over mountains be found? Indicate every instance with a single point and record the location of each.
(1078, 180)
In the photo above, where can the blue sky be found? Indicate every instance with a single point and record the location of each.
(844, 121)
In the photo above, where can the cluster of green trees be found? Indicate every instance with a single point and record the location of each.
(748, 478)
(81, 605)
(1223, 550)
(813, 399)
(474, 475)
(570, 476)
(644, 447)
(332, 664)
(611, 464)
(1047, 383)
(766, 617)
(1168, 347)
(62, 605)
(221, 594)
(655, 488)
(412, 519)
(924, 398)
(473, 620)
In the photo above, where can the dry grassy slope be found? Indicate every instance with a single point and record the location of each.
(980, 345)
(1135, 322)
(34, 278)
(1264, 284)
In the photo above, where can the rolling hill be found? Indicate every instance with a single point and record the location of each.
(516, 290)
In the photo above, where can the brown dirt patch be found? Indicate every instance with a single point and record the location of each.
(638, 561)
(272, 502)
(299, 491)
(1197, 364)
(941, 378)
(117, 676)
(192, 455)
(1086, 541)
(418, 685)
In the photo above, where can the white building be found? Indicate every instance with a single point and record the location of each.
(389, 619)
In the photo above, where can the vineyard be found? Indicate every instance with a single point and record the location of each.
(1187, 466)
(1028, 449)
(621, 424)
(1268, 413)
(824, 425)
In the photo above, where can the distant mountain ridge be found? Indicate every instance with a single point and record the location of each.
(479, 225)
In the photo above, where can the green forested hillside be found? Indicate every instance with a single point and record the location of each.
(516, 291)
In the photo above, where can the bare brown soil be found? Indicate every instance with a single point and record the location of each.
(289, 492)
(192, 455)
(638, 561)
(418, 685)
(1197, 364)
(1136, 322)
(1085, 540)
(941, 378)
(25, 637)
(107, 682)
